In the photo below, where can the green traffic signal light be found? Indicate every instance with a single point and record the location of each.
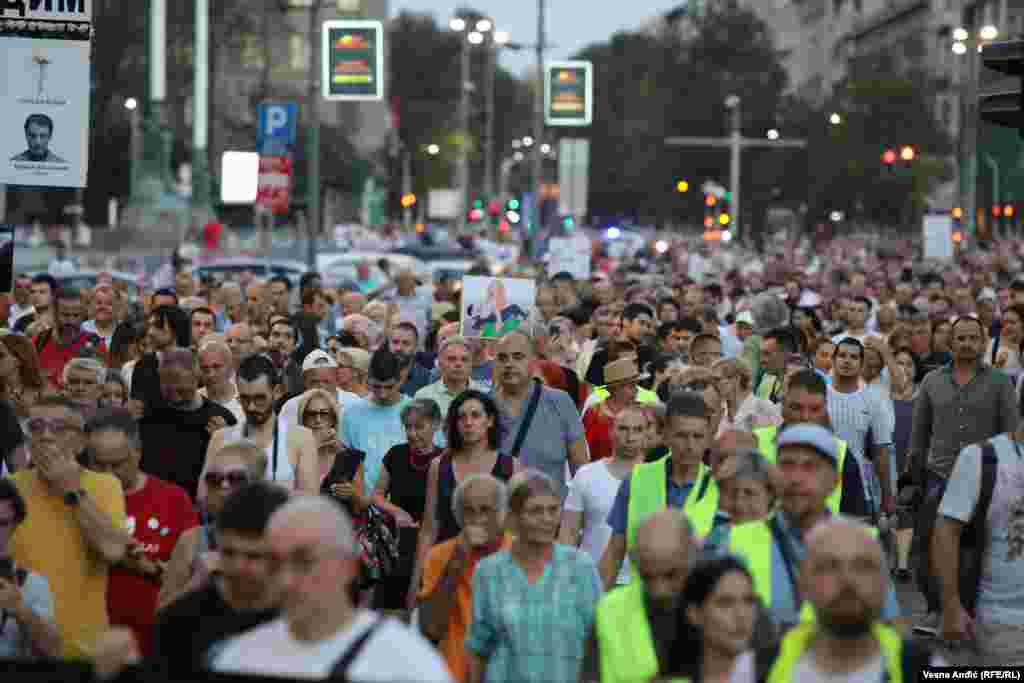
(478, 203)
(513, 205)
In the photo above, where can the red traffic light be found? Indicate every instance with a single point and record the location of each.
(408, 200)
(476, 215)
(889, 157)
(710, 200)
(997, 211)
(709, 222)
(958, 213)
(1008, 211)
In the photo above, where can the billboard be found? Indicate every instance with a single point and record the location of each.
(569, 94)
(353, 60)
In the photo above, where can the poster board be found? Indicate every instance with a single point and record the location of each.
(938, 237)
(494, 306)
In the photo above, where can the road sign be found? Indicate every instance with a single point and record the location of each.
(274, 183)
(569, 94)
(277, 127)
(353, 60)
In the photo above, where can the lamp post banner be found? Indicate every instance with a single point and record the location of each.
(47, 10)
(44, 112)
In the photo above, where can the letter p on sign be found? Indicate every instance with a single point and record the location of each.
(277, 127)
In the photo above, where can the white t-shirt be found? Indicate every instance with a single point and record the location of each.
(592, 492)
(807, 670)
(393, 653)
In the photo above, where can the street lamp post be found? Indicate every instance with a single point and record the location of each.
(462, 168)
(313, 143)
(538, 127)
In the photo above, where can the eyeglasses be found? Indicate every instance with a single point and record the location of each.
(232, 478)
(319, 416)
(38, 425)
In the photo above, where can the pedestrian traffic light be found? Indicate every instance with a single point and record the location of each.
(408, 200)
(682, 186)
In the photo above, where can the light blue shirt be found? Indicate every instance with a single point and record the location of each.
(14, 643)
(374, 430)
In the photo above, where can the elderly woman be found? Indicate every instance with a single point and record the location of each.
(195, 555)
(743, 410)
(534, 603)
(401, 491)
(340, 469)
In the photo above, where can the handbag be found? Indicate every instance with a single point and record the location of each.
(377, 536)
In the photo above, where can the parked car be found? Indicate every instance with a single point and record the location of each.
(343, 266)
(233, 268)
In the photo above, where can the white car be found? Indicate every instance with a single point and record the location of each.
(341, 267)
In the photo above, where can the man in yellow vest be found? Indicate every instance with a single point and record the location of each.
(679, 480)
(806, 400)
(844, 577)
(636, 625)
(775, 548)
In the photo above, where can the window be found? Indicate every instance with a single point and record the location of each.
(298, 52)
(350, 6)
(252, 51)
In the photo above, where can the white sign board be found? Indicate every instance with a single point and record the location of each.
(573, 176)
(44, 112)
(494, 306)
(443, 204)
(938, 237)
(571, 254)
(47, 10)
(239, 172)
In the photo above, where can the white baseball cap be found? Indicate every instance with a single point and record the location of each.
(318, 359)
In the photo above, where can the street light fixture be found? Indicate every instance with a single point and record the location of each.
(502, 37)
(545, 148)
(458, 24)
(527, 141)
(131, 104)
(960, 34)
(988, 32)
(475, 38)
(517, 157)
(959, 48)
(484, 25)
(835, 119)
(773, 134)
(433, 150)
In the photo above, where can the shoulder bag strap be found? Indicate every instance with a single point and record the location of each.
(340, 670)
(524, 426)
(273, 456)
(787, 559)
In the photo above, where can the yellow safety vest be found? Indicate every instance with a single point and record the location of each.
(642, 395)
(752, 542)
(766, 444)
(798, 640)
(624, 636)
(648, 486)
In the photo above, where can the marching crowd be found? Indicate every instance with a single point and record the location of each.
(688, 466)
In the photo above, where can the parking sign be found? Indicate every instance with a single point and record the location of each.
(277, 127)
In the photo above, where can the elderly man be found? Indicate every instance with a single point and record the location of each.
(446, 596)
(74, 528)
(455, 361)
(321, 634)
(662, 556)
(844, 577)
(83, 382)
(239, 338)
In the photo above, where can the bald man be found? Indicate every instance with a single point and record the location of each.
(321, 634)
(662, 555)
(845, 578)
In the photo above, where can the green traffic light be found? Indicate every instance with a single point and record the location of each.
(513, 205)
(478, 203)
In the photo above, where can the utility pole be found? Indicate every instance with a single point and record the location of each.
(538, 127)
(463, 165)
(969, 125)
(313, 142)
(736, 143)
(492, 69)
(200, 110)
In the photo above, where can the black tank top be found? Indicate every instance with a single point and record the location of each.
(448, 527)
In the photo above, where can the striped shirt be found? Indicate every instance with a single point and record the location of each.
(853, 415)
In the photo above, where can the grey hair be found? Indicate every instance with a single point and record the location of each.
(89, 364)
(340, 532)
(530, 483)
(422, 407)
(752, 465)
(769, 312)
(458, 498)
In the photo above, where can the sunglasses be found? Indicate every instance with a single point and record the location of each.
(232, 478)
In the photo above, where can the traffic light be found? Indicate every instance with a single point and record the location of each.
(494, 209)
(513, 217)
(512, 204)
(958, 213)
(907, 153)
(682, 186)
(710, 200)
(709, 222)
(724, 218)
(1009, 211)
(408, 200)
(568, 223)
(889, 157)
(476, 214)
(997, 211)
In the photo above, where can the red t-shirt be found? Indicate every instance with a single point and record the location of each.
(53, 357)
(156, 515)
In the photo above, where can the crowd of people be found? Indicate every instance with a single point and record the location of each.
(677, 468)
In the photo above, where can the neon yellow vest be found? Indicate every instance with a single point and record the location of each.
(642, 395)
(648, 487)
(766, 444)
(798, 640)
(752, 542)
(624, 636)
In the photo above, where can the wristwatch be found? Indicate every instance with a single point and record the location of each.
(74, 497)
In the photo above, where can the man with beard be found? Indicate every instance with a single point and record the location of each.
(446, 596)
(242, 597)
(662, 557)
(291, 449)
(176, 428)
(68, 341)
(844, 577)
(774, 548)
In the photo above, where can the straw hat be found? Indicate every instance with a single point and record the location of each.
(622, 370)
